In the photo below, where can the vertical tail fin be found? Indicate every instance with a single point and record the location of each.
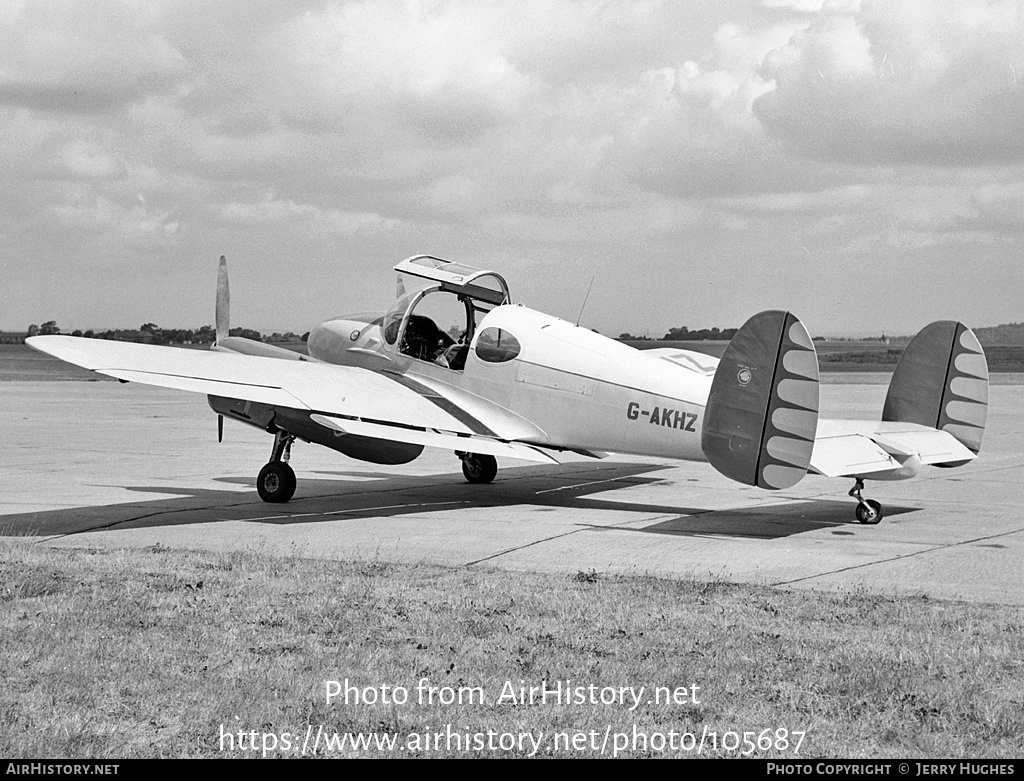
(941, 381)
(762, 412)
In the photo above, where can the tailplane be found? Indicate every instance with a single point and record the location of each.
(762, 411)
(941, 381)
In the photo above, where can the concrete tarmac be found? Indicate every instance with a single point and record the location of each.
(101, 464)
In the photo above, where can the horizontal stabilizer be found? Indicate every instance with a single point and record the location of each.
(941, 382)
(881, 450)
(688, 359)
(762, 412)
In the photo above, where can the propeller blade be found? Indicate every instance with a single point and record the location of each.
(220, 428)
(223, 313)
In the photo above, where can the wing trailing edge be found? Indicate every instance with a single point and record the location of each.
(440, 439)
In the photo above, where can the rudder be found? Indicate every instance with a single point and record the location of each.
(762, 411)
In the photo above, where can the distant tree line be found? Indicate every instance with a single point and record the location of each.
(1006, 334)
(684, 334)
(151, 333)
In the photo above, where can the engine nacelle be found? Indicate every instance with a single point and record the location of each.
(298, 423)
(352, 340)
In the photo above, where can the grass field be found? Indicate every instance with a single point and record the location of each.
(160, 653)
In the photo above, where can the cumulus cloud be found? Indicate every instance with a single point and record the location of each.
(430, 67)
(98, 215)
(273, 209)
(89, 159)
(526, 133)
(689, 128)
(907, 82)
(70, 56)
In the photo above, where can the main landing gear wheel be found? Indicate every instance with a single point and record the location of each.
(868, 510)
(276, 482)
(478, 468)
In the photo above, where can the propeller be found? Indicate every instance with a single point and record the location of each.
(222, 319)
(223, 312)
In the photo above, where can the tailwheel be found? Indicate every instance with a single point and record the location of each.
(478, 468)
(868, 510)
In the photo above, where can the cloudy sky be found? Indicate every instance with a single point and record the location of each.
(859, 163)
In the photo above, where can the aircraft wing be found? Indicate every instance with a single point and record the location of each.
(378, 404)
(849, 448)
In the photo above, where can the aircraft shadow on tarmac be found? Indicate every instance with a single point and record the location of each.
(379, 496)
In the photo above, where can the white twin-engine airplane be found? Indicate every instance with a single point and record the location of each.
(510, 381)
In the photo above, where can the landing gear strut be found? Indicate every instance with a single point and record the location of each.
(868, 510)
(276, 481)
(478, 468)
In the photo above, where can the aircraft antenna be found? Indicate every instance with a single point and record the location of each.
(585, 301)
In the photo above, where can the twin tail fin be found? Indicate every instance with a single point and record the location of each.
(762, 411)
(941, 381)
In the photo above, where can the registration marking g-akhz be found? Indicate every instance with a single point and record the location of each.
(673, 418)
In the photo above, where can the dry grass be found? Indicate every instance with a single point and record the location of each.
(148, 653)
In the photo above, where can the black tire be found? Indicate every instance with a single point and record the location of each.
(478, 468)
(276, 482)
(869, 516)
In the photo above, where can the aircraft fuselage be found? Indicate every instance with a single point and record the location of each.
(570, 387)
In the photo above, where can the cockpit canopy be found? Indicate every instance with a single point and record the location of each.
(475, 283)
(437, 323)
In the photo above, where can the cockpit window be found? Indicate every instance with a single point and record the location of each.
(432, 325)
(475, 283)
(391, 326)
(393, 319)
(496, 345)
(451, 268)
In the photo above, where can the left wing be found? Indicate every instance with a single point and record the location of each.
(351, 399)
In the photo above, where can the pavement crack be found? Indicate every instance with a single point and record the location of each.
(521, 547)
(897, 558)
